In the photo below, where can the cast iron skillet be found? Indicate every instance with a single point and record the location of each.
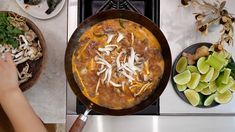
(72, 46)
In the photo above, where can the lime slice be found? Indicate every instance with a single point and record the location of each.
(212, 86)
(226, 75)
(232, 88)
(201, 86)
(181, 65)
(215, 75)
(206, 91)
(202, 66)
(208, 76)
(181, 87)
(192, 69)
(223, 98)
(183, 78)
(209, 100)
(195, 78)
(224, 87)
(192, 96)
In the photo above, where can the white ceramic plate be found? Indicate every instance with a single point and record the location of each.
(38, 11)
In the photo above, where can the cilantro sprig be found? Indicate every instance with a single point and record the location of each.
(8, 33)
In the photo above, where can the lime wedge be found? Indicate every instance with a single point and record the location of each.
(223, 98)
(208, 76)
(195, 78)
(226, 75)
(215, 75)
(181, 65)
(192, 96)
(202, 66)
(201, 86)
(212, 86)
(224, 87)
(192, 69)
(181, 87)
(183, 78)
(206, 91)
(209, 100)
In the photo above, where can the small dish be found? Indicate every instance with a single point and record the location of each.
(38, 11)
(190, 49)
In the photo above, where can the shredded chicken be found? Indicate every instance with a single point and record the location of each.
(126, 64)
(146, 86)
(27, 50)
(120, 37)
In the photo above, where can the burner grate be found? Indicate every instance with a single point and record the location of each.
(148, 8)
(118, 4)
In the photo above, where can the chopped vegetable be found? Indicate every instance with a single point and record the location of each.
(8, 33)
(201, 52)
(121, 22)
(146, 67)
(221, 88)
(212, 61)
(220, 58)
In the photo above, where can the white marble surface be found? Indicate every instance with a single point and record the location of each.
(48, 96)
(178, 25)
(156, 123)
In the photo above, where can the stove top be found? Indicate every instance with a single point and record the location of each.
(148, 8)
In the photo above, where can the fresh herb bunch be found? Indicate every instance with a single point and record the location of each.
(213, 13)
(8, 33)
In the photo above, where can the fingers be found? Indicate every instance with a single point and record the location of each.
(2, 57)
(8, 57)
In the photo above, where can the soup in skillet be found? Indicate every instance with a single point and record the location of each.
(118, 63)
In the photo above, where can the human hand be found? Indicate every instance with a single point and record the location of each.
(8, 75)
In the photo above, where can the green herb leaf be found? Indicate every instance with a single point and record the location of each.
(8, 33)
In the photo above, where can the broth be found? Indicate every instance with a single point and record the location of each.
(118, 63)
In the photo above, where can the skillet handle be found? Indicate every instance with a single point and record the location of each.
(80, 122)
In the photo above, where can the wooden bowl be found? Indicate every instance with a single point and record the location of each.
(36, 66)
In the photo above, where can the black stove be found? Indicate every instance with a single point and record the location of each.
(148, 8)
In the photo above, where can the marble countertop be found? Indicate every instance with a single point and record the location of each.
(48, 95)
(178, 25)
